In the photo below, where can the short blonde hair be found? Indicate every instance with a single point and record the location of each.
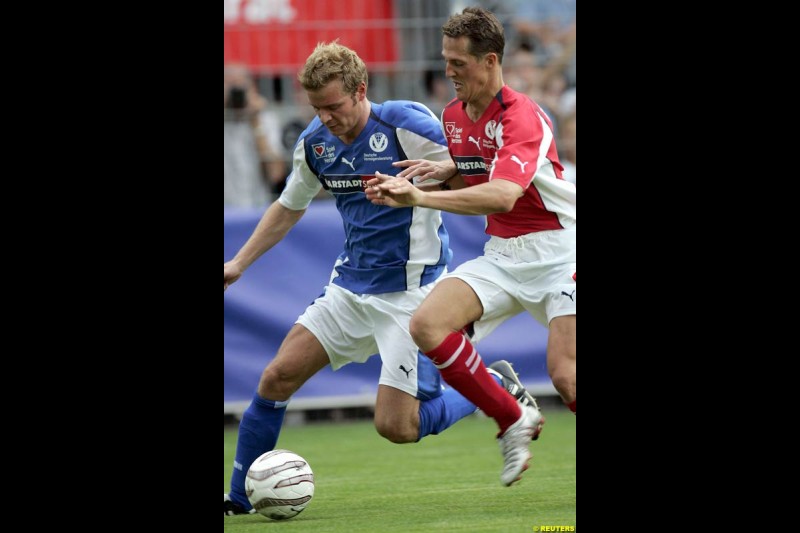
(330, 61)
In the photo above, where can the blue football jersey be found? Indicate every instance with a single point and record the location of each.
(386, 249)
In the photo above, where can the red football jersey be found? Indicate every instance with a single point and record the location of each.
(513, 140)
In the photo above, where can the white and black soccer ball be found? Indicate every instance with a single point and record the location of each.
(279, 484)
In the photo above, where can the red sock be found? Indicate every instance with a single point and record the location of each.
(572, 406)
(463, 369)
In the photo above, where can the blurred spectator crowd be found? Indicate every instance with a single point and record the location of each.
(263, 121)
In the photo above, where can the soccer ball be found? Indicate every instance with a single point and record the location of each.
(279, 484)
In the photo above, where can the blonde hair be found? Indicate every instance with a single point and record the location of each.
(330, 61)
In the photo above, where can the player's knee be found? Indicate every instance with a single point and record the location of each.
(422, 332)
(277, 385)
(397, 433)
(416, 327)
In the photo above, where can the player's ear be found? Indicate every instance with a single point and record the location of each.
(361, 91)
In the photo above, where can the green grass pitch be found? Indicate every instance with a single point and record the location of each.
(447, 482)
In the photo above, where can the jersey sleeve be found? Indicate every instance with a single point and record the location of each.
(525, 145)
(302, 184)
(419, 131)
(419, 147)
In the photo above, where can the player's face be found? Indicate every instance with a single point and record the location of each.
(468, 73)
(338, 110)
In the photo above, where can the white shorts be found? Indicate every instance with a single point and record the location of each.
(533, 272)
(353, 327)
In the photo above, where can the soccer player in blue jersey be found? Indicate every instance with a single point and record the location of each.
(391, 261)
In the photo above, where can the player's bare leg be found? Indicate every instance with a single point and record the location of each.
(299, 357)
(436, 327)
(396, 415)
(561, 348)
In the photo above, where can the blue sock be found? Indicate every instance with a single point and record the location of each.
(258, 433)
(440, 413)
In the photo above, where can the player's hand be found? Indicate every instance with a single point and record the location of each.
(392, 191)
(424, 170)
(232, 273)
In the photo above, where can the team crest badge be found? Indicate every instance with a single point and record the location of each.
(378, 142)
(490, 127)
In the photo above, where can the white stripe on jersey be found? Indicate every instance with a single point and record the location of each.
(424, 221)
(420, 147)
(558, 196)
(544, 147)
(426, 251)
(302, 185)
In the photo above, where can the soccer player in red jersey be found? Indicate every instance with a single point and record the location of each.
(504, 166)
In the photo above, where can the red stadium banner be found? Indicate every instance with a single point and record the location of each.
(272, 36)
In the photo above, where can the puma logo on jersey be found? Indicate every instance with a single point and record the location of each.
(408, 372)
(349, 163)
(568, 295)
(477, 143)
(516, 160)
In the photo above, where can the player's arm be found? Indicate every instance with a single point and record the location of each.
(496, 196)
(423, 170)
(456, 182)
(271, 229)
(431, 175)
(301, 187)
